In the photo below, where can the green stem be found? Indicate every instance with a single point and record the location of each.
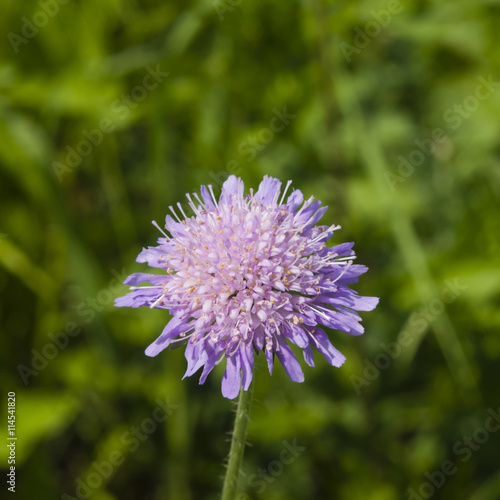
(237, 444)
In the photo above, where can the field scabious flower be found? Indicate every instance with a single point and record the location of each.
(250, 273)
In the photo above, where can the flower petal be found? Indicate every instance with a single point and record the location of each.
(308, 355)
(196, 356)
(207, 199)
(214, 352)
(174, 327)
(289, 361)
(307, 212)
(268, 190)
(136, 278)
(154, 256)
(349, 298)
(270, 360)
(246, 364)
(315, 217)
(322, 343)
(297, 335)
(232, 187)
(343, 250)
(138, 298)
(295, 200)
(231, 381)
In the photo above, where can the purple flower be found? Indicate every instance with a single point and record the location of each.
(246, 274)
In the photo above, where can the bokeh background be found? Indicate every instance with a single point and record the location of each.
(392, 120)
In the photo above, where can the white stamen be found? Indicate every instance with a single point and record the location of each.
(323, 234)
(182, 211)
(159, 299)
(173, 211)
(155, 224)
(199, 200)
(341, 260)
(212, 195)
(321, 313)
(192, 205)
(284, 192)
(304, 206)
(145, 287)
(343, 272)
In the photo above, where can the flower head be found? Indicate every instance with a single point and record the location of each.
(250, 273)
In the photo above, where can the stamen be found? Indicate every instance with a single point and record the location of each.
(304, 206)
(321, 313)
(182, 211)
(284, 192)
(159, 299)
(202, 204)
(343, 272)
(173, 211)
(155, 224)
(192, 205)
(145, 287)
(341, 259)
(212, 195)
(323, 234)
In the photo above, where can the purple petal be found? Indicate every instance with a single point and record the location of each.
(343, 250)
(352, 274)
(125, 301)
(308, 355)
(347, 321)
(297, 335)
(295, 200)
(270, 360)
(289, 361)
(174, 327)
(268, 190)
(308, 211)
(213, 355)
(207, 199)
(196, 356)
(365, 303)
(136, 278)
(324, 346)
(247, 364)
(233, 186)
(349, 298)
(154, 256)
(176, 229)
(138, 298)
(349, 275)
(231, 381)
(258, 338)
(315, 217)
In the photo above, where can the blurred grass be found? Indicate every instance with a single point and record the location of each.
(61, 237)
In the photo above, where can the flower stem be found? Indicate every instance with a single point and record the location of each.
(237, 444)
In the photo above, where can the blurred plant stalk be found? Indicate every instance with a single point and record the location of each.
(230, 488)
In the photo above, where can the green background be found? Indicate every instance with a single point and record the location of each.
(372, 85)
